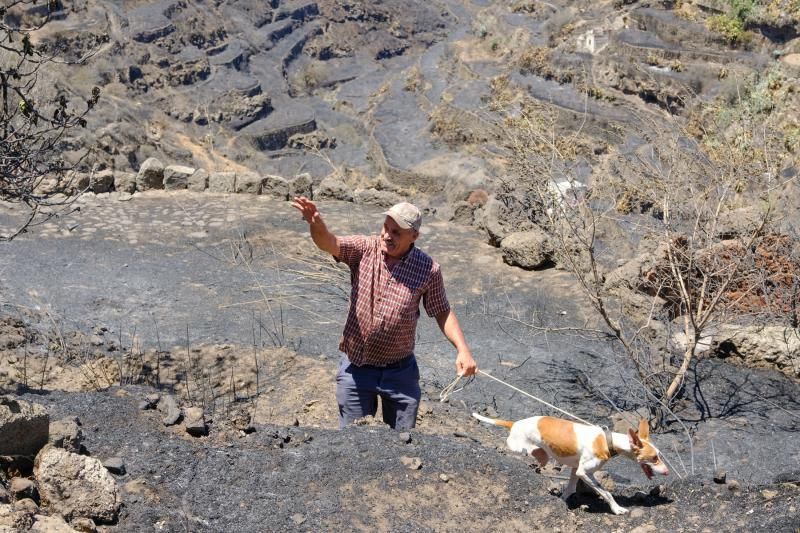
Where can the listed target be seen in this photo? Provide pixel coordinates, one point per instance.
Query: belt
(397, 364)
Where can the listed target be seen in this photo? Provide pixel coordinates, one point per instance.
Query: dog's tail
(504, 423)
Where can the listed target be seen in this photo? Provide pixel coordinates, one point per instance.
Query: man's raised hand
(307, 208)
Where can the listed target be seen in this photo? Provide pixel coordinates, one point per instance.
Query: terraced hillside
(407, 91)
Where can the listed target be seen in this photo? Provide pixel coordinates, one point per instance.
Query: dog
(582, 448)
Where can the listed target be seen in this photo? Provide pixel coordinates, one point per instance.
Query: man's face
(396, 241)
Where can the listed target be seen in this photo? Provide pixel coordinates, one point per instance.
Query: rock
(14, 519)
(606, 481)
(378, 197)
(762, 347)
(176, 177)
(248, 183)
(22, 487)
(125, 182)
(151, 175)
(198, 181)
(115, 465)
(194, 421)
(733, 485)
(720, 476)
(276, 187)
(86, 525)
(27, 505)
(621, 422)
(78, 181)
(75, 485)
(67, 434)
(768, 494)
(335, 189)
(298, 519)
(444, 478)
(405, 437)
(527, 249)
(494, 218)
(23, 427)
(5, 497)
(102, 181)
(301, 185)
(50, 524)
(463, 214)
(150, 402)
(168, 407)
(412, 463)
(477, 198)
(222, 182)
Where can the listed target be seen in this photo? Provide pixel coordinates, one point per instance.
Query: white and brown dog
(582, 448)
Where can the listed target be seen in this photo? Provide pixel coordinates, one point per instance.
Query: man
(389, 277)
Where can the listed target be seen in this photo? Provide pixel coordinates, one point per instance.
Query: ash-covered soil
(313, 479)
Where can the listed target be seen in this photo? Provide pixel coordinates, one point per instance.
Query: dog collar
(610, 441)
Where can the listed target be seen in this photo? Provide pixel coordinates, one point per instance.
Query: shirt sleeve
(352, 249)
(434, 298)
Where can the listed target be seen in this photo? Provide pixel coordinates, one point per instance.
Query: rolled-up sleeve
(434, 299)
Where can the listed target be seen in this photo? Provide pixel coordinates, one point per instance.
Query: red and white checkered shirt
(384, 305)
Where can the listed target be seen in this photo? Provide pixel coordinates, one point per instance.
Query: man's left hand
(465, 364)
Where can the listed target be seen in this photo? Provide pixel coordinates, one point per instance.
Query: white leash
(451, 388)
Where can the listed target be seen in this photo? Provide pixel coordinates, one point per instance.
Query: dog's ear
(644, 429)
(636, 443)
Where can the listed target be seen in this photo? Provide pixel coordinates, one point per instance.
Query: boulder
(195, 421)
(378, 197)
(528, 249)
(168, 407)
(102, 181)
(77, 181)
(125, 182)
(493, 219)
(275, 186)
(334, 188)
(176, 177)
(67, 434)
(75, 485)
(23, 427)
(776, 347)
(222, 182)
(151, 175)
(198, 181)
(248, 183)
(301, 185)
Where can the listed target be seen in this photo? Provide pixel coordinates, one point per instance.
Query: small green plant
(730, 28)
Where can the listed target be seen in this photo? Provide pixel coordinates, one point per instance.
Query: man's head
(400, 229)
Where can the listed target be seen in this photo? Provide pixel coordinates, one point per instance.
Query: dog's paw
(619, 510)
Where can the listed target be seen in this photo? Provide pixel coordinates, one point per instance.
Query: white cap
(406, 215)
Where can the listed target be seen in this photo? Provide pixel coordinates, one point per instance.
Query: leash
(451, 388)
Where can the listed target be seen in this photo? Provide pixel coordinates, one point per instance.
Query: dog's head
(647, 455)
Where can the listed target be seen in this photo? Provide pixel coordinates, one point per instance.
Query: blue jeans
(358, 389)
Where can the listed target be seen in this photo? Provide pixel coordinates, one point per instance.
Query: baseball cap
(406, 215)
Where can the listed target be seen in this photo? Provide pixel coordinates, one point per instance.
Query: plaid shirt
(384, 305)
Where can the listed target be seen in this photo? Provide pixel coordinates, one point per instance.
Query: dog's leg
(571, 486)
(541, 456)
(590, 481)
